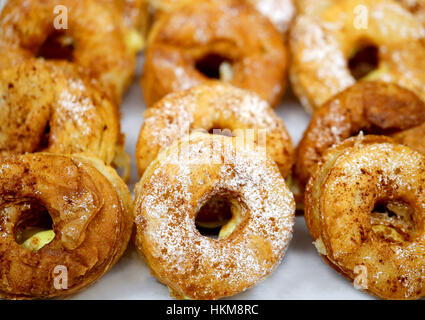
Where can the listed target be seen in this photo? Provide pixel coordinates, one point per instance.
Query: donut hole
(34, 228)
(57, 46)
(218, 217)
(364, 60)
(221, 131)
(393, 221)
(215, 66)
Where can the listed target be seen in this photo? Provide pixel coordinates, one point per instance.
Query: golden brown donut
(218, 106)
(48, 107)
(370, 107)
(86, 204)
(175, 187)
(279, 12)
(365, 211)
(355, 40)
(96, 39)
(202, 40)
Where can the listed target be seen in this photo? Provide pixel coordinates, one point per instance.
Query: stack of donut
(213, 157)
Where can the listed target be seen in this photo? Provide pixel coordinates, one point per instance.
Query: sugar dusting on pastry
(166, 211)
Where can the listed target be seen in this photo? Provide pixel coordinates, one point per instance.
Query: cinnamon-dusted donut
(371, 107)
(203, 40)
(48, 107)
(82, 202)
(353, 40)
(96, 39)
(175, 187)
(365, 211)
(218, 106)
(279, 12)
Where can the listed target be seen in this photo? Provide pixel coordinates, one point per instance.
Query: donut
(215, 107)
(365, 212)
(96, 39)
(48, 107)
(173, 189)
(203, 40)
(349, 41)
(377, 108)
(279, 12)
(85, 211)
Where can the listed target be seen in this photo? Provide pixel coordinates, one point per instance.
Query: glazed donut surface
(90, 208)
(371, 107)
(96, 39)
(202, 40)
(49, 107)
(174, 188)
(323, 45)
(365, 208)
(214, 106)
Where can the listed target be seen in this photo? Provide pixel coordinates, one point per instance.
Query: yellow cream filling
(36, 238)
(134, 41)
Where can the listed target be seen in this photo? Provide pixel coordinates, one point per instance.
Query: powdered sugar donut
(212, 106)
(370, 107)
(352, 40)
(175, 187)
(365, 211)
(226, 40)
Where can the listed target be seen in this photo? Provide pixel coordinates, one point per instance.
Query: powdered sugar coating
(173, 190)
(213, 106)
(322, 44)
(280, 12)
(353, 177)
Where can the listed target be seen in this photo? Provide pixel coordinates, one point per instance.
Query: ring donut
(48, 107)
(365, 211)
(89, 208)
(370, 107)
(174, 188)
(202, 40)
(95, 39)
(279, 12)
(213, 107)
(355, 40)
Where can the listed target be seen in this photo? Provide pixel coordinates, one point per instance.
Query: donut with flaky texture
(203, 40)
(323, 44)
(95, 38)
(364, 207)
(174, 188)
(370, 107)
(48, 107)
(208, 107)
(91, 210)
